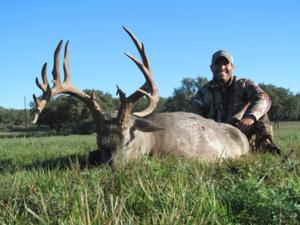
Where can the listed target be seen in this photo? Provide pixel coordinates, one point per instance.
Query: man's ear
(146, 125)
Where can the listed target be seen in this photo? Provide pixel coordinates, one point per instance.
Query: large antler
(59, 87)
(149, 88)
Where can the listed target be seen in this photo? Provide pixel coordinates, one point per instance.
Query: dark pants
(261, 133)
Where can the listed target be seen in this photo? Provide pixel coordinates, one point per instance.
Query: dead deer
(134, 134)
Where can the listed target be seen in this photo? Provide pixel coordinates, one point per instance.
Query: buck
(134, 134)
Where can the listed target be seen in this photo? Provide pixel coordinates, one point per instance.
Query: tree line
(66, 112)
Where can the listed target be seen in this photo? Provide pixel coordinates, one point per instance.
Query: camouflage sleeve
(259, 100)
(200, 102)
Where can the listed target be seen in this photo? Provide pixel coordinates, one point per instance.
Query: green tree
(182, 96)
(12, 117)
(143, 103)
(285, 105)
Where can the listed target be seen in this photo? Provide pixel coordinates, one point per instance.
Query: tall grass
(48, 181)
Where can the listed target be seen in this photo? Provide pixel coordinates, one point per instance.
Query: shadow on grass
(60, 163)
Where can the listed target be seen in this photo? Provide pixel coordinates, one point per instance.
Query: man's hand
(245, 125)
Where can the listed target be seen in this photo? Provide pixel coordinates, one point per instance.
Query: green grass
(28, 131)
(47, 181)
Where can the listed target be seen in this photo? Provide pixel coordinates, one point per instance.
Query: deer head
(115, 131)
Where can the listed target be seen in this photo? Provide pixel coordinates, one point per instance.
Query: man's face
(222, 70)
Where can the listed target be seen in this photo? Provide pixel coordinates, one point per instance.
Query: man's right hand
(245, 125)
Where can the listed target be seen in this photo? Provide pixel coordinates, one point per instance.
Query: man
(236, 101)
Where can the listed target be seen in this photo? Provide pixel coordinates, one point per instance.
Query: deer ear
(146, 125)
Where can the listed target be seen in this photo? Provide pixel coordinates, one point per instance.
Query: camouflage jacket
(242, 98)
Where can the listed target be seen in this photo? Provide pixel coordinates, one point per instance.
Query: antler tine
(44, 74)
(37, 111)
(43, 86)
(145, 70)
(67, 78)
(140, 46)
(36, 116)
(55, 71)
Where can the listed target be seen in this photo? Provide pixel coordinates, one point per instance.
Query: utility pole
(25, 116)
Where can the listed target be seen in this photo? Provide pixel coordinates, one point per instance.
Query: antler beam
(148, 89)
(59, 87)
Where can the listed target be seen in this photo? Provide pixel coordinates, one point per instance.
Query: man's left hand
(245, 125)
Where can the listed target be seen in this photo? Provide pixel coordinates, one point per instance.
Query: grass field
(47, 180)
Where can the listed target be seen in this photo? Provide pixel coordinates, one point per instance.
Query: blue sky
(179, 36)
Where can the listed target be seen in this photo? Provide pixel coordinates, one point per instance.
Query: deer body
(187, 135)
(131, 135)
(192, 135)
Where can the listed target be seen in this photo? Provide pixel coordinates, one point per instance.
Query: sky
(179, 36)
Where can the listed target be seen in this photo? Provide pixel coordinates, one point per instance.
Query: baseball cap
(221, 53)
